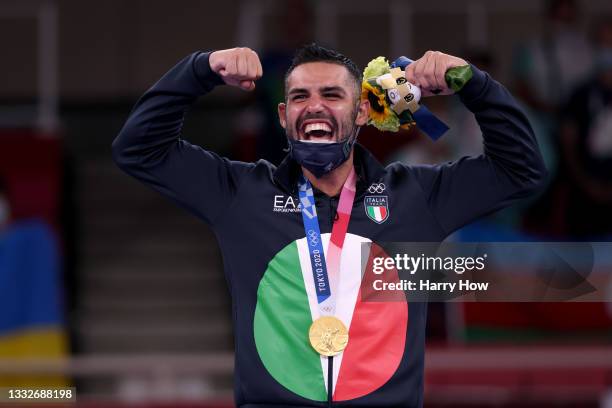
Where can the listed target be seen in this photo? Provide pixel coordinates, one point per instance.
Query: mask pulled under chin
(320, 158)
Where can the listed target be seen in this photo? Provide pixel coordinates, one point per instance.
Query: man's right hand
(237, 67)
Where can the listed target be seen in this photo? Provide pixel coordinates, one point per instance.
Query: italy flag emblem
(377, 208)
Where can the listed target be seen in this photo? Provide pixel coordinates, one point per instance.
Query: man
(267, 226)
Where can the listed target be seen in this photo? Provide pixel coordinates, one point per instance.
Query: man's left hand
(429, 70)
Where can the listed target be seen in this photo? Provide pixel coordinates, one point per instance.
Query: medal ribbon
(326, 270)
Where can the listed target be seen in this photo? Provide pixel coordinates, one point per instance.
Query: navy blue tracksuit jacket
(253, 210)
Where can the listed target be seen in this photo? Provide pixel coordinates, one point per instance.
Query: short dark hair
(315, 53)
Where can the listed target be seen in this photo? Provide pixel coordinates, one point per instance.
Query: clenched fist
(429, 70)
(237, 67)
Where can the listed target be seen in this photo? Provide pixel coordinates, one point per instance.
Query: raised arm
(150, 148)
(511, 167)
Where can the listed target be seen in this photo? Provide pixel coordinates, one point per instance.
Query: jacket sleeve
(150, 148)
(510, 168)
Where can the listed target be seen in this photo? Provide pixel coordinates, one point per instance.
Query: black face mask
(320, 158)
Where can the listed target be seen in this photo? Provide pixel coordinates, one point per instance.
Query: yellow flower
(380, 115)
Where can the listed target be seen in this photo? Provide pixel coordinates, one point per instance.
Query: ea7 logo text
(286, 204)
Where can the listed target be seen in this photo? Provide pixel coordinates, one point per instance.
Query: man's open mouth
(317, 131)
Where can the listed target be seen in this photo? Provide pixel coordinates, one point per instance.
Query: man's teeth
(311, 127)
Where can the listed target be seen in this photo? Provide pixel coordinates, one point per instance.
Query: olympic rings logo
(376, 188)
(313, 238)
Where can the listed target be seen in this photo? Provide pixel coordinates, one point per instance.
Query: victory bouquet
(395, 102)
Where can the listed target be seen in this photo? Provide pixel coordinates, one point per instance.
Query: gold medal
(328, 336)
